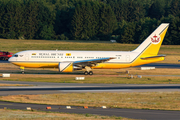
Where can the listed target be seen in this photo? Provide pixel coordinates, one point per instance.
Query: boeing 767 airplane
(68, 61)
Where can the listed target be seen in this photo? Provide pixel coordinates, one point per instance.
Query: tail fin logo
(155, 39)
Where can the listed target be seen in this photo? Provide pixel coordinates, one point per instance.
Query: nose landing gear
(22, 70)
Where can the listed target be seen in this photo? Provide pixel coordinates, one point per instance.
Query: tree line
(127, 21)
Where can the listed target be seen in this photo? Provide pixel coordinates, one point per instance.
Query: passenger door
(127, 58)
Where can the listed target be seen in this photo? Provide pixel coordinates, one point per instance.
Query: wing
(91, 62)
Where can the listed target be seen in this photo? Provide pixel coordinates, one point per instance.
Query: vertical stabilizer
(153, 43)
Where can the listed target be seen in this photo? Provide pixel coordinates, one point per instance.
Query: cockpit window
(15, 55)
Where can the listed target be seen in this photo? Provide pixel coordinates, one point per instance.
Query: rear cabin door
(127, 58)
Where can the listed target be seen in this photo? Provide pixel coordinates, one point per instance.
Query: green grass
(14, 46)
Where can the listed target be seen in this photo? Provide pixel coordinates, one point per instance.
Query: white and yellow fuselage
(51, 59)
(144, 54)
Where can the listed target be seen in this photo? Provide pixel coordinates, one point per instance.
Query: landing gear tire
(22, 72)
(90, 73)
(86, 73)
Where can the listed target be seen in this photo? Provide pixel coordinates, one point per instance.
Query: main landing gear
(88, 71)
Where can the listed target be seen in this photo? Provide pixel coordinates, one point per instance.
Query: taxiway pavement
(49, 88)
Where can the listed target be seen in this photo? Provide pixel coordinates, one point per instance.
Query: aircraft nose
(10, 59)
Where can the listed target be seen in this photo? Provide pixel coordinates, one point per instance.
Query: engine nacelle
(68, 67)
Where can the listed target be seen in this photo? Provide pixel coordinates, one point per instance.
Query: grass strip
(105, 79)
(9, 114)
(6, 85)
(145, 100)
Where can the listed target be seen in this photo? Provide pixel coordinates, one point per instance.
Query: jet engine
(68, 67)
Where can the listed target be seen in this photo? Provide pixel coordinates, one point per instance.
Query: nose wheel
(88, 73)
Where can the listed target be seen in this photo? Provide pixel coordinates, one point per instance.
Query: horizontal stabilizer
(146, 58)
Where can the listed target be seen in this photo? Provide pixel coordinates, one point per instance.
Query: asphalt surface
(43, 87)
(4, 61)
(89, 88)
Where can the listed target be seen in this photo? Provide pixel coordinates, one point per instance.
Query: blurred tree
(157, 9)
(175, 8)
(77, 23)
(47, 32)
(31, 22)
(107, 22)
(128, 33)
